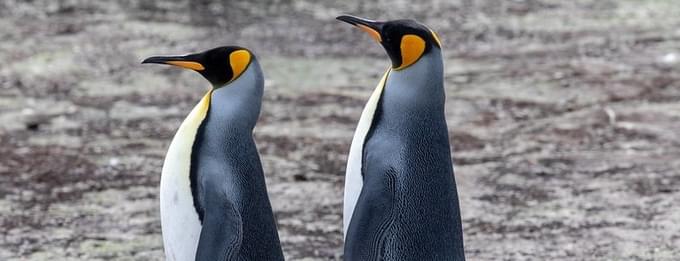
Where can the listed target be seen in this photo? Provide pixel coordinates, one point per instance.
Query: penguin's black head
(404, 40)
(220, 66)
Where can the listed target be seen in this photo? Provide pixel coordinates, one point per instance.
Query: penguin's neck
(234, 110)
(235, 107)
(416, 91)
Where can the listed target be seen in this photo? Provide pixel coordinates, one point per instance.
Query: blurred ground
(564, 119)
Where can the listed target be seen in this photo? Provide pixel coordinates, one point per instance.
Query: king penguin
(214, 203)
(400, 198)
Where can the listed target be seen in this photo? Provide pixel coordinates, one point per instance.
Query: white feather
(179, 221)
(353, 177)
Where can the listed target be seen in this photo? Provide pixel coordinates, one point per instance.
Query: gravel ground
(564, 119)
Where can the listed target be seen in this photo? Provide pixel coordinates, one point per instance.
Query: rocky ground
(564, 119)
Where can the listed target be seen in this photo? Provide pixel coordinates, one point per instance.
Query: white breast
(353, 178)
(179, 221)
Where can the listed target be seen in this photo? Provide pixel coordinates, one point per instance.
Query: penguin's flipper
(373, 217)
(221, 233)
(353, 177)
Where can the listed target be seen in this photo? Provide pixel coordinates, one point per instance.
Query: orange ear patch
(412, 48)
(239, 61)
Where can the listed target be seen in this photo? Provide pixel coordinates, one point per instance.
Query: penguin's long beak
(373, 28)
(186, 61)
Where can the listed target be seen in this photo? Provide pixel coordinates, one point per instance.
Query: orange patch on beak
(372, 32)
(189, 65)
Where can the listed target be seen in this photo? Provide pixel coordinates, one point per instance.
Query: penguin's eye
(239, 61)
(412, 48)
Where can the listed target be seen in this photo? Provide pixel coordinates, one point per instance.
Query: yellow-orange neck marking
(436, 38)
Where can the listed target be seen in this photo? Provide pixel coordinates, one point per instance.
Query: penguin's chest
(180, 223)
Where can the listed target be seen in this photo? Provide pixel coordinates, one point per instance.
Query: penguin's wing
(221, 233)
(353, 176)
